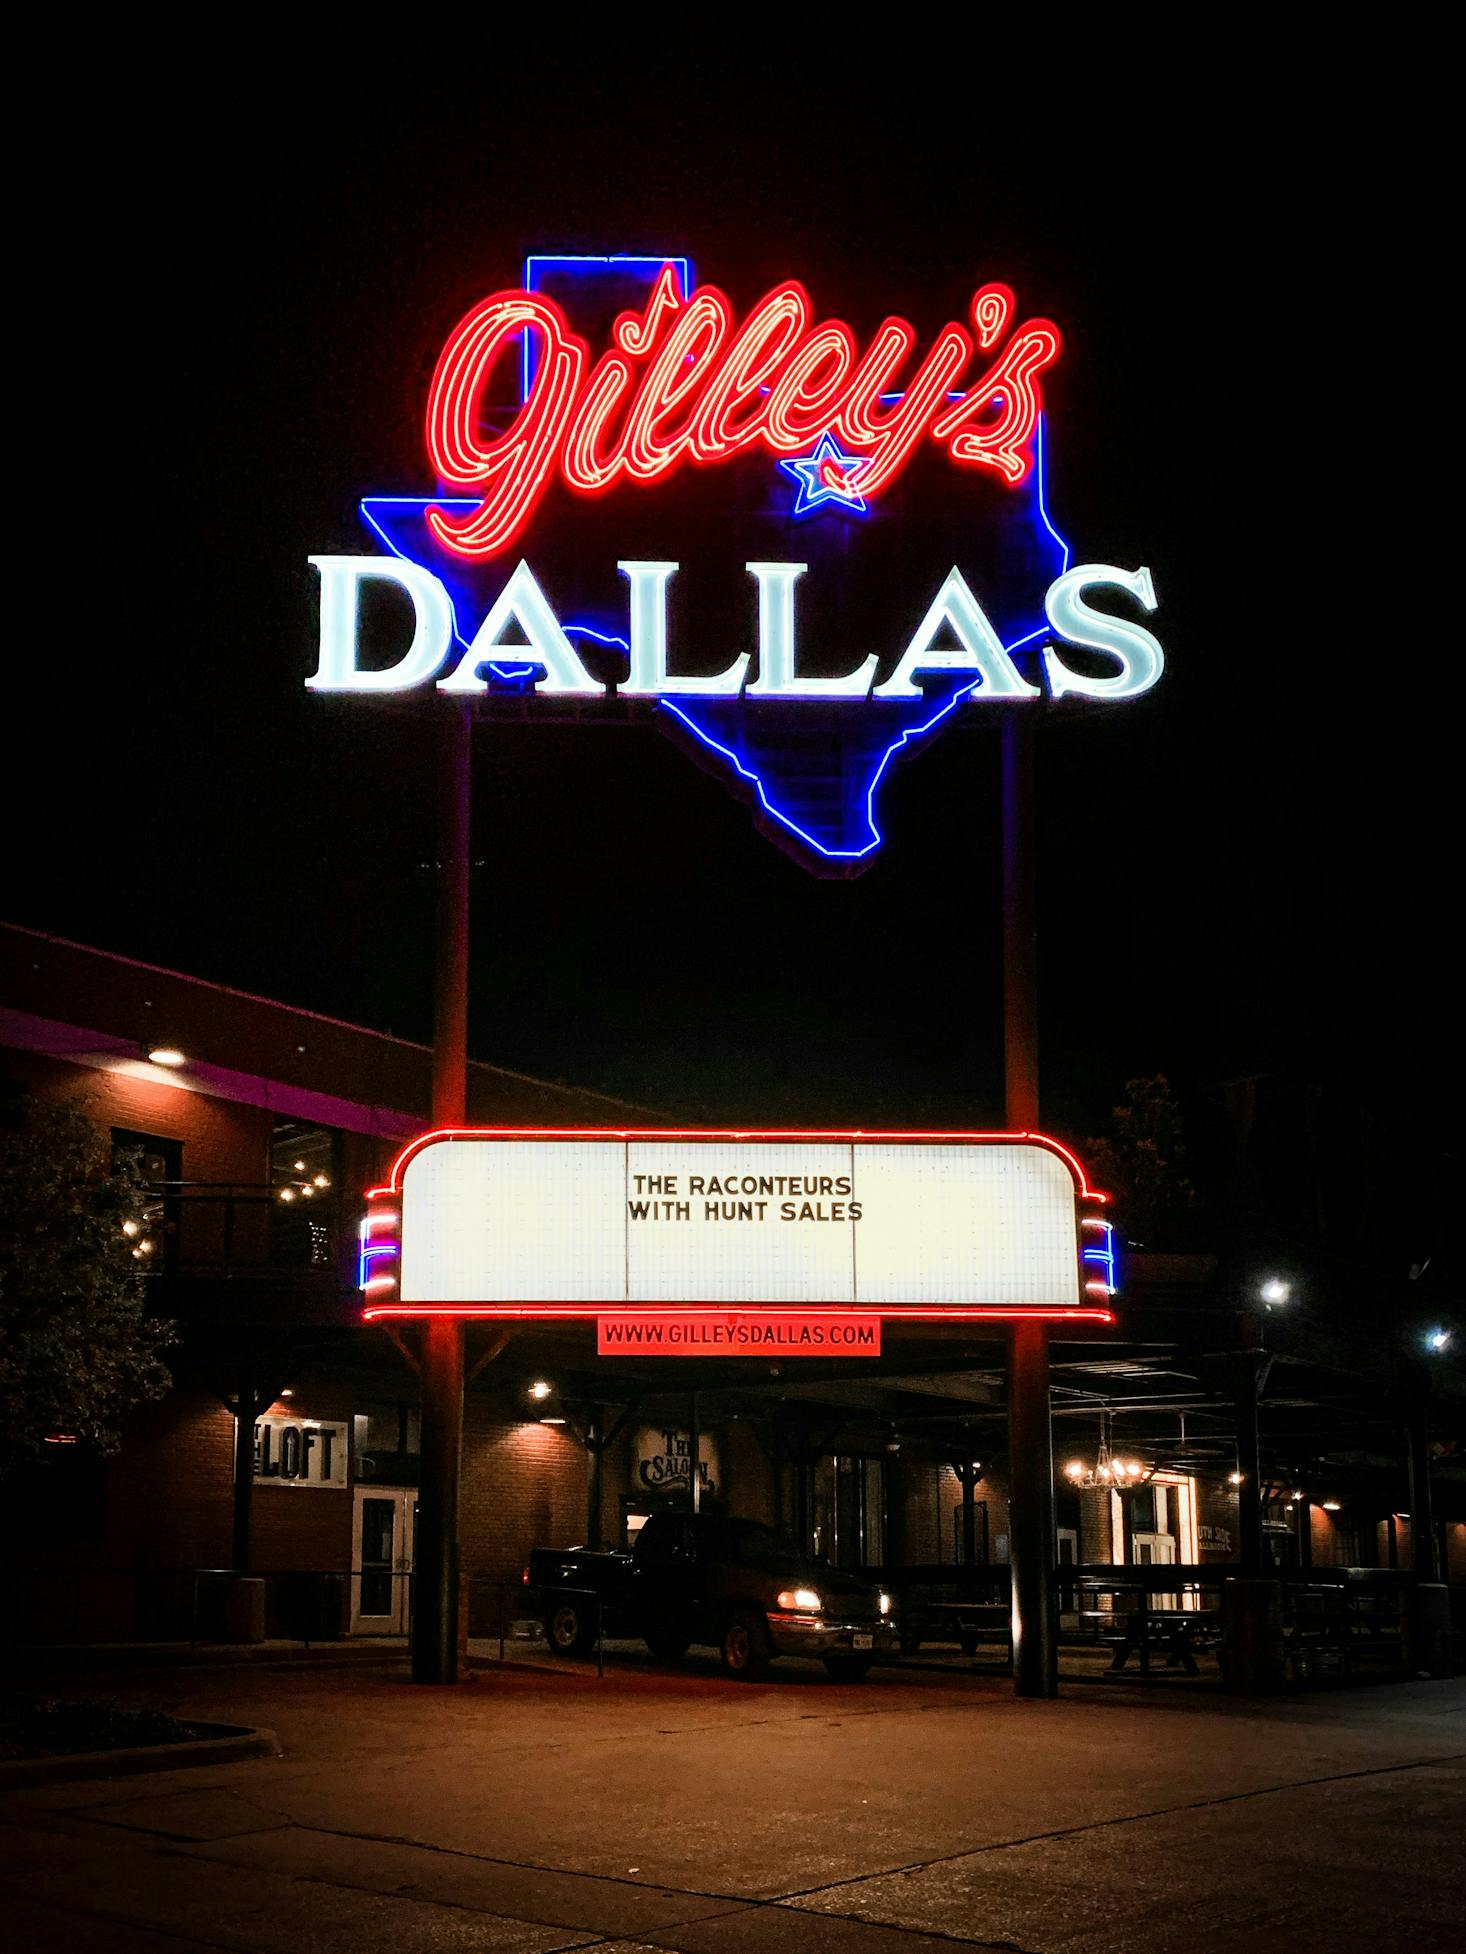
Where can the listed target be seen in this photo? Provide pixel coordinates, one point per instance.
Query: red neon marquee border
(627, 1134)
(588, 1312)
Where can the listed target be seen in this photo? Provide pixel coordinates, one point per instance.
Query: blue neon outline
(911, 733)
(422, 503)
(665, 702)
(684, 266)
(810, 498)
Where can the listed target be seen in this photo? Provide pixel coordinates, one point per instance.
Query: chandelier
(1107, 1470)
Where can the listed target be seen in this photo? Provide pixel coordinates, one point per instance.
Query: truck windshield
(750, 1543)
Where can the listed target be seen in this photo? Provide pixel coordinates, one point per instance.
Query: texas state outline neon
(668, 704)
(894, 749)
(577, 256)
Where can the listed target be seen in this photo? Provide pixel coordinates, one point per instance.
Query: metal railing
(239, 1228)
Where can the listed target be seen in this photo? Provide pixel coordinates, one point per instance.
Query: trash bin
(231, 1608)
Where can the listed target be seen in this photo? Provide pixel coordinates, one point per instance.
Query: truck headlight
(804, 1599)
(884, 1602)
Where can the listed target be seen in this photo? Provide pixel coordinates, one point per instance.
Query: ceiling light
(165, 1055)
(540, 1389)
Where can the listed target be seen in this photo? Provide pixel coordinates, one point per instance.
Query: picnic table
(1144, 1631)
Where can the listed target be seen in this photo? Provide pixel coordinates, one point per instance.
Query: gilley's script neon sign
(685, 382)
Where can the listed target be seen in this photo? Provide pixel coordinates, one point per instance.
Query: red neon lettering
(511, 469)
(684, 381)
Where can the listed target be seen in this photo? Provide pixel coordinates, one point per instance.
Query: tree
(1143, 1164)
(78, 1348)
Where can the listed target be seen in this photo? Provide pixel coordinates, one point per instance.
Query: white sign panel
(862, 1224)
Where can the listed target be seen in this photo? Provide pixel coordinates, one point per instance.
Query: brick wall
(524, 1486)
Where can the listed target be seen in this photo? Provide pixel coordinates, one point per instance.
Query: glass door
(381, 1560)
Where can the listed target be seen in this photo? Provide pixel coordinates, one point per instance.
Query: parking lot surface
(666, 1808)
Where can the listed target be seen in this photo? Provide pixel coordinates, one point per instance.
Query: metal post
(594, 1446)
(694, 1485)
(1252, 1369)
(1424, 1541)
(244, 1475)
(435, 1600)
(1031, 1528)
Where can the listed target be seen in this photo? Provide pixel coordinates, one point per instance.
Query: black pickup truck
(732, 1585)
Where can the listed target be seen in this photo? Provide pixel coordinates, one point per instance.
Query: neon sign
(728, 1229)
(684, 381)
(954, 610)
(745, 529)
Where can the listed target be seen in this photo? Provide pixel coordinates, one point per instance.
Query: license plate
(862, 1641)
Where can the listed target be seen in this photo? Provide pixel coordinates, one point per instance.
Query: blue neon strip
(1104, 1259)
(371, 1252)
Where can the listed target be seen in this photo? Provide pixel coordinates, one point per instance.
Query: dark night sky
(256, 287)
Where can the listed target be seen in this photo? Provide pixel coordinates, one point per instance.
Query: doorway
(382, 1534)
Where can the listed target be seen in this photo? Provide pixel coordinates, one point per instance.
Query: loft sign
(800, 550)
(299, 1452)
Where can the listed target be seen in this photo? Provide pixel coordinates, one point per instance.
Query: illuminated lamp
(1437, 1340)
(1275, 1292)
(1330, 1506)
(166, 1055)
(1235, 1478)
(540, 1389)
(552, 1421)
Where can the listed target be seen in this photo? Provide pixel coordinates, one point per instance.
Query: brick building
(257, 1144)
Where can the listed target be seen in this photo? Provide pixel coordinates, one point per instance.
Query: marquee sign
(708, 1243)
(801, 550)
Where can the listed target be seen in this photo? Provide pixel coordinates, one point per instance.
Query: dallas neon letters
(684, 381)
(954, 612)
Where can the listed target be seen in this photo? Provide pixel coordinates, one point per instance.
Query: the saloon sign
(802, 549)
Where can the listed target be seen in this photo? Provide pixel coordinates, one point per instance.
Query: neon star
(824, 477)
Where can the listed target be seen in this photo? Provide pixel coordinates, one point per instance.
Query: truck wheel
(847, 1668)
(570, 1629)
(744, 1652)
(669, 1644)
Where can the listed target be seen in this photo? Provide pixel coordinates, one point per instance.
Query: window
(303, 1200)
(153, 1230)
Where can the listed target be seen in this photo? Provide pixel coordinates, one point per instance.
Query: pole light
(1275, 1292)
(1438, 1341)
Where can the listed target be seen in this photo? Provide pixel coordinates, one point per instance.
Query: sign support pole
(435, 1602)
(1032, 1538)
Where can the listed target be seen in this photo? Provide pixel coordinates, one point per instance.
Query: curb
(226, 1743)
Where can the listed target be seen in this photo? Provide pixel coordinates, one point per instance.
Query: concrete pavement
(665, 1808)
